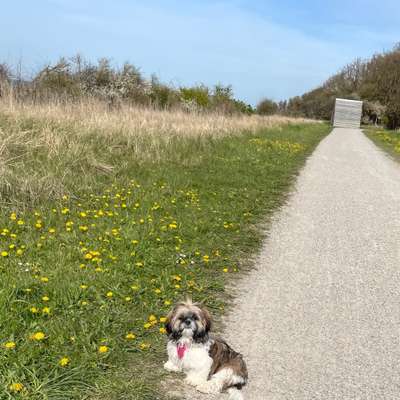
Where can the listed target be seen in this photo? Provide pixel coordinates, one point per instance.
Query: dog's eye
(195, 317)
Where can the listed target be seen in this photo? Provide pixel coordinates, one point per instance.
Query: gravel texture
(319, 316)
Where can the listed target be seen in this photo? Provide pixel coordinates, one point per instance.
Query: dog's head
(189, 320)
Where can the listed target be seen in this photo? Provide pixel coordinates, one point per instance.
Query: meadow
(387, 140)
(108, 217)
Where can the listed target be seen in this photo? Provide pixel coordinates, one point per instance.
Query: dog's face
(189, 320)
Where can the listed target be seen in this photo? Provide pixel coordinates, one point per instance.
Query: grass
(107, 232)
(387, 140)
(43, 148)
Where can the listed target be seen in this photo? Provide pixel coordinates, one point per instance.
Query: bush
(267, 107)
(72, 79)
(199, 95)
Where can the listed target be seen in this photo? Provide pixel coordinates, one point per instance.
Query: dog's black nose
(188, 322)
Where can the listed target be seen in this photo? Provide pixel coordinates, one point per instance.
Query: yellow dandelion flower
(34, 310)
(157, 291)
(109, 294)
(20, 252)
(10, 345)
(127, 298)
(4, 253)
(139, 264)
(134, 241)
(130, 336)
(163, 319)
(83, 287)
(88, 256)
(162, 330)
(167, 302)
(225, 270)
(44, 279)
(38, 336)
(134, 287)
(20, 222)
(147, 325)
(152, 318)
(103, 349)
(52, 230)
(82, 214)
(16, 387)
(46, 310)
(144, 346)
(45, 298)
(13, 216)
(65, 211)
(63, 362)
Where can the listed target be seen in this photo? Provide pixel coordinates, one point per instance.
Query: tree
(267, 107)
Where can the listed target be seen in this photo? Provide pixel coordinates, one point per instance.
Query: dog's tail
(235, 393)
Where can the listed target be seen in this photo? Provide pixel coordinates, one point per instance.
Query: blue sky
(274, 49)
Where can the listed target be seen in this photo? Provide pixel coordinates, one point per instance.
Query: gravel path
(319, 317)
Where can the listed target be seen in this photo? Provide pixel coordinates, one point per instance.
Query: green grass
(387, 140)
(111, 256)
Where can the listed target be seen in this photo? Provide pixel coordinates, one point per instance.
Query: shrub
(267, 107)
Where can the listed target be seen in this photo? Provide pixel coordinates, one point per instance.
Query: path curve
(319, 316)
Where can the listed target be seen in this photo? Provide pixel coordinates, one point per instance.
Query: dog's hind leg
(224, 378)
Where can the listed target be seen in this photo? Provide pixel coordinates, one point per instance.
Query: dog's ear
(206, 319)
(168, 322)
(167, 325)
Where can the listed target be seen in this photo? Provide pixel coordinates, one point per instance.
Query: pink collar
(181, 349)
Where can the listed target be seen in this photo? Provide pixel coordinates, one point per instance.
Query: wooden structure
(347, 113)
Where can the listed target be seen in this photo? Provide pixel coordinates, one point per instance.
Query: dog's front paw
(193, 380)
(169, 366)
(208, 387)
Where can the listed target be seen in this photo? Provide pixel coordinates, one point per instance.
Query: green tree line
(71, 79)
(376, 81)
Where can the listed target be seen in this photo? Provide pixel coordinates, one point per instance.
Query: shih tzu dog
(209, 363)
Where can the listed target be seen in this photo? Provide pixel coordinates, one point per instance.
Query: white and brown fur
(209, 363)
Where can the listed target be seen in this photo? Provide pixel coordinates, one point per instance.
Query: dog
(210, 364)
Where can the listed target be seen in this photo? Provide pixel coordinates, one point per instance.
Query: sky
(274, 49)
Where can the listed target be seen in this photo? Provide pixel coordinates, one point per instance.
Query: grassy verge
(387, 140)
(87, 277)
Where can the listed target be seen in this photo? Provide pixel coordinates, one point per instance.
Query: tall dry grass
(53, 148)
(128, 120)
